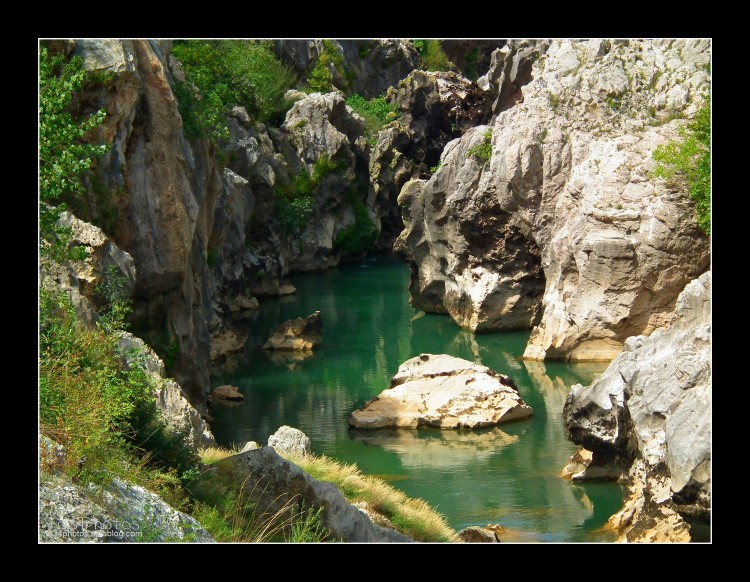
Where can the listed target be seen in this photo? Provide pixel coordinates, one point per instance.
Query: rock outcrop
(302, 333)
(290, 440)
(274, 482)
(122, 512)
(653, 407)
(442, 391)
(175, 409)
(549, 217)
(475, 534)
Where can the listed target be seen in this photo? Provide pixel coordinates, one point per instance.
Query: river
(506, 475)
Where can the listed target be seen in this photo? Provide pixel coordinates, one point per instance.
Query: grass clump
(433, 55)
(412, 517)
(686, 161)
(224, 73)
(482, 151)
(376, 112)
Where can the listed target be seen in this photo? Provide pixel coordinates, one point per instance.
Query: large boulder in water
(442, 391)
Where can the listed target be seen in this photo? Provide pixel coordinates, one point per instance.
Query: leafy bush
(687, 161)
(376, 112)
(320, 79)
(360, 236)
(472, 62)
(482, 151)
(64, 154)
(225, 73)
(434, 58)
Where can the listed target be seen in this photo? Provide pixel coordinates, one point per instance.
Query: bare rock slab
(227, 393)
(297, 334)
(442, 391)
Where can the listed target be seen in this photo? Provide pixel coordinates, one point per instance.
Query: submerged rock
(653, 407)
(297, 334)
(442, 391)
(291, 440)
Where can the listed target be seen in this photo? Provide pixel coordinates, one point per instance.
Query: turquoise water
(506, 475)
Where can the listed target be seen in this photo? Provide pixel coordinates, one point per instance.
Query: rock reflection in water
(437, 449)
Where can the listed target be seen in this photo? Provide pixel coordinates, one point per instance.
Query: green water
(506, 475)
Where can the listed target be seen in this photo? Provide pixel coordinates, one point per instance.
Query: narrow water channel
(506, 475)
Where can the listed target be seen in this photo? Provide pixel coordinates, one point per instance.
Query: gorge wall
(549, 217)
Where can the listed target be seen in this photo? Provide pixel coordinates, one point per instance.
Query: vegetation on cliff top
(687, 162)
(376, 112)
(226, 73)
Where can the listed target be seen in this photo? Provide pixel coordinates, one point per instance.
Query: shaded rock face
(653, 405)
(442, 391)
(290, 440)
(175, 409)
(162, 191)
(275, 481)
(436, 108)
(568, 188)
(472, 56)
(122, 513)
(297, 334)
(369, 66)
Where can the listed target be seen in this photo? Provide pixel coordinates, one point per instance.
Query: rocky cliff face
(652, 407)
(549, 216)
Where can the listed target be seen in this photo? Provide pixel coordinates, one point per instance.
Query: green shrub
(64, 154)
(482, 151)
(376, 112)
(308, 528)
(472, 61)
(434, 58)
(320, 79)
(360, 236)
(225, 73)
(687, 162)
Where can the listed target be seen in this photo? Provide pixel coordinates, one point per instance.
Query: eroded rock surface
(653, 406)
(303, 333)
(442, 391)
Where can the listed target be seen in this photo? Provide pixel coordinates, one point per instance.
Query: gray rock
(653, 405)
(297, 334)
(249, 446)
(123, 512)
(289, 439)
(442, 391)
(562, 228)
(475, 534)
(175, 409)
(274, 481)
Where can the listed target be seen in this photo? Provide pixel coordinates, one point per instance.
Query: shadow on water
(507, 475)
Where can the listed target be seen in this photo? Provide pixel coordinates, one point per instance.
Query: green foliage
(482, 151)
(295, 201)
(376, 112)
(114, 293)
(472, 61)
(420, 45)
(101, 411)
(434, 58)
(687, 162)
(360, 236)
(225, 73)
(64, 154)
(613, 103)
(320, 79)
(436, 167)
(308, 528)
(212, 257)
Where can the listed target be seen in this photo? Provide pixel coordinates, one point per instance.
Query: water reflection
(437, 449)
(507, 475)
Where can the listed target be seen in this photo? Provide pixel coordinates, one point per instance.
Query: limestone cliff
(652, 409)
(549, 217)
